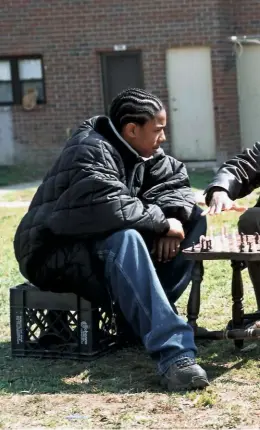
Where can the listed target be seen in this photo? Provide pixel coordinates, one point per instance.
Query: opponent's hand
(176, 229)
(221, 202)
(166, 248)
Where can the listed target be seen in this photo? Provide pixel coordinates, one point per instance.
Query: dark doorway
(120, 70)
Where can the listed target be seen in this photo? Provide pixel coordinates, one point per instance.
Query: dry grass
(18, 195)
(121, 390)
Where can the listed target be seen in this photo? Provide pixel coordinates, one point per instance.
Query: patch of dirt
(143, 410)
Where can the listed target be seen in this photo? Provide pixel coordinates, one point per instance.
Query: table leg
(193, 307)
(237, 298)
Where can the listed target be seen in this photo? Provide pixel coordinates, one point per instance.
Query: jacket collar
(118, 135)
(104, 126)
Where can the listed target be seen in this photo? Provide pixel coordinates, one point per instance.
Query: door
(189, 80)
(120, 70)
(248, 78)
(6, 136)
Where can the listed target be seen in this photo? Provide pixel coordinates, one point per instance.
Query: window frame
(16, 81)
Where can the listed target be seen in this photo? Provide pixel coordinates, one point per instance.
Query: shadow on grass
(221, 357)
(125, 371)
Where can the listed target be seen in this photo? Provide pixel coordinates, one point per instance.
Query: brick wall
(247, 17)
(70, 34)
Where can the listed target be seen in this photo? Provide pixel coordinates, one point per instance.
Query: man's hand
(176, 229)
(166, 248)
(221, 202)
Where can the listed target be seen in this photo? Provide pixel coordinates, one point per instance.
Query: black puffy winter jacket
(97, 186)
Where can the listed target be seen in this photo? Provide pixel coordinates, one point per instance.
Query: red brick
(71, 33)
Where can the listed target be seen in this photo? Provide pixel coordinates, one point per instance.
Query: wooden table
(224, 248)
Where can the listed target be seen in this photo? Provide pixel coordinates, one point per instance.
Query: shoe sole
(197, 383)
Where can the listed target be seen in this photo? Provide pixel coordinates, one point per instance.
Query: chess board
(229, 246)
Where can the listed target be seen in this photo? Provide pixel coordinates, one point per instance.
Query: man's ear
(129, 130)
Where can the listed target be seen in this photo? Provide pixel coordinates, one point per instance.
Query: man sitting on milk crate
(115, 206)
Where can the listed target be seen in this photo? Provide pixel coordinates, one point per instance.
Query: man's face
(147, 138)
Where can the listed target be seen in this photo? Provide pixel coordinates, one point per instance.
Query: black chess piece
(250, 249)
(256, 238)
(242, 237)
(193, 247)
(203, 248)
(208, 246)
(242, 247)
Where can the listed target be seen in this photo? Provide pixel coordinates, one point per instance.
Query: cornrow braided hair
(134, 105)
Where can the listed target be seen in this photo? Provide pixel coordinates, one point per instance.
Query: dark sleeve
(239, 176)
(167, 185)
(97, 202)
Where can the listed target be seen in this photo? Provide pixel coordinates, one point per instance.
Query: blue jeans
(140, 289)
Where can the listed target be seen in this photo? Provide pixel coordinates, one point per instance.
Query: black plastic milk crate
(57, 325)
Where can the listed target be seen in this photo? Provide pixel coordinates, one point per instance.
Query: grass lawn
(199, 179)
(18, 195)
(10, 175)
(121, 390)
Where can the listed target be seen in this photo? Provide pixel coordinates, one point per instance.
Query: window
(17, 76)
(6, 92)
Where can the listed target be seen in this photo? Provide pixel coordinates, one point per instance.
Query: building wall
(246, 17)
(71, 34)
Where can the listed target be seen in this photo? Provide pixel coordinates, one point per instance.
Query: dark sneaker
(184, 375)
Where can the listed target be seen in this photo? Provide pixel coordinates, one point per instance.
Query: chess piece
(242, 247)
(250, 249)
(242, 237)
(234, 241)
(256, 238)
(193, 247)
(224, 231)
(218, 243)
(208, 245)
(204, 245)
